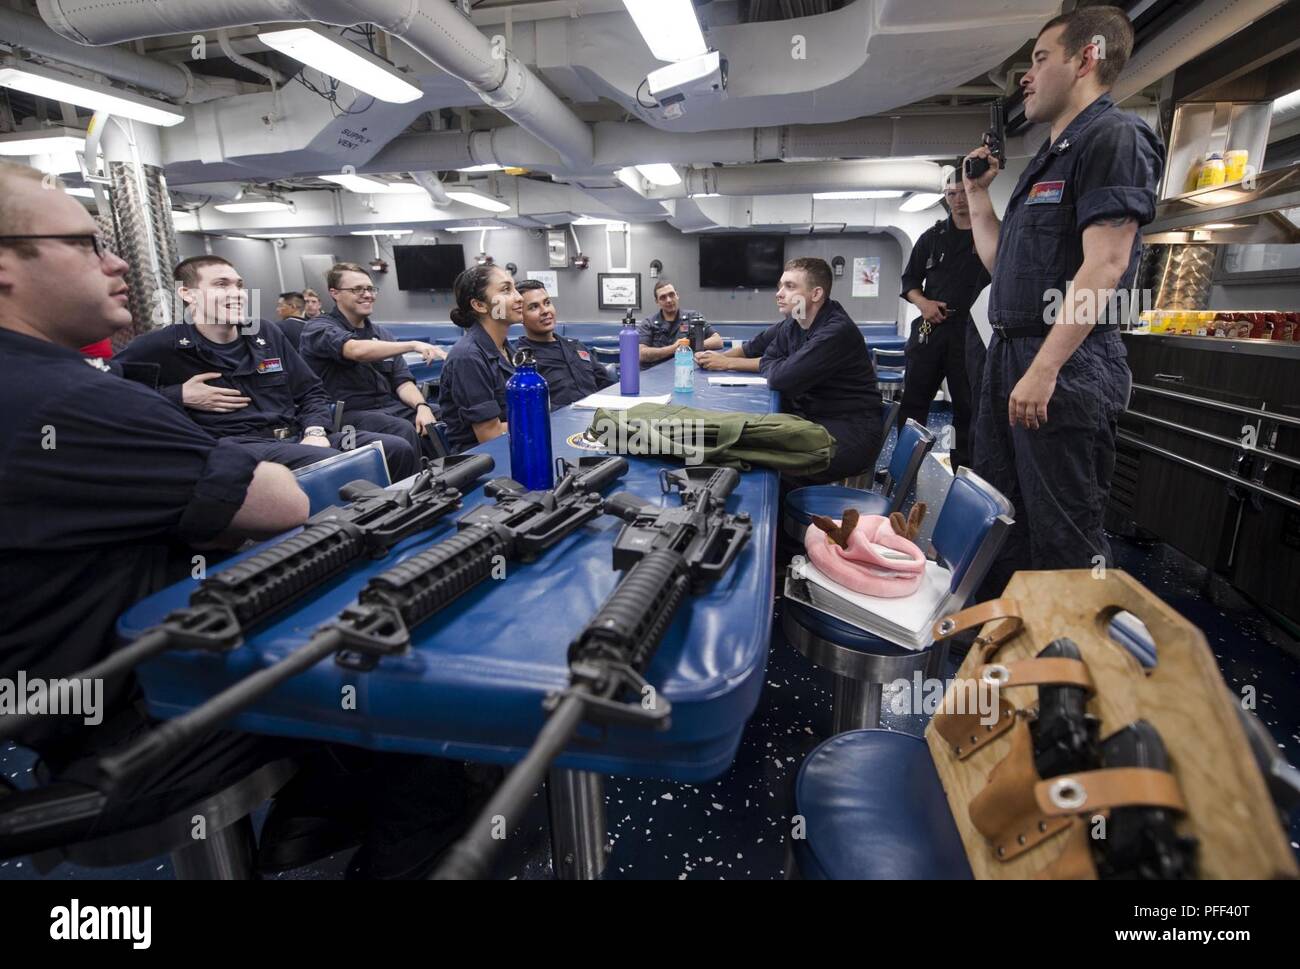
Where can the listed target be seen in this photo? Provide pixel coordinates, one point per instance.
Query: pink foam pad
(863, 567)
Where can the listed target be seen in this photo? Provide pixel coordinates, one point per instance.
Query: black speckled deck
(736, 827)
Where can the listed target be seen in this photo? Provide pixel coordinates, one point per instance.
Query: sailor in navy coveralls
(1056, 378)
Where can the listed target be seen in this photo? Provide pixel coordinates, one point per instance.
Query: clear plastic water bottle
(684, 368)
(528, 412)
(629, 358)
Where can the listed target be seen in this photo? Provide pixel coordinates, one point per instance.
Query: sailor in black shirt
(943, 278)
(818, 361)
(570, 369)
(291, 316)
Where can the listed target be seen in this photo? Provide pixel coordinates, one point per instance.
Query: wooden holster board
(1184, 697)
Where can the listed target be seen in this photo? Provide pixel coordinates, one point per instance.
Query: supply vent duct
(437, 30)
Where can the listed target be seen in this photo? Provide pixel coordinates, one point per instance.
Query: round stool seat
(830, 501)
(873, 808)
(846, 650)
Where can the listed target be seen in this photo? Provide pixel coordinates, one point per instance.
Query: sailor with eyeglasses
(360, 363)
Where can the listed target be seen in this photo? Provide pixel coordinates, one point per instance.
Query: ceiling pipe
(171, 80)
(619, 145)
(1200, 29)
(430, 183)
(802, 179)
(247, 63)
(437, 30)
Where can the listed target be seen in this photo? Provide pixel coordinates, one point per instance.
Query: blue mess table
(472, 685)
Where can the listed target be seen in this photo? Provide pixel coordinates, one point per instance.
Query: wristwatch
(424, 404)
(314, 432)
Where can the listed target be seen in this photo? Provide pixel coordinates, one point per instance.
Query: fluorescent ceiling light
(857, 196)
(705, 195)
(343, 60)
(921, 201)
(403, 188)
(253, 205)
(481, 168)
(472, 228)
(279, 235)
(1223, 225)
(475, 198)
(632, 179)
(358, 183)
(660, 174)
(51, 141)
(670, 28)
(58, 163)
(382, 232)
(591, 220)
(184, 220)
(57, 86)
(80, 193)
(364, 185)
(1287, 101)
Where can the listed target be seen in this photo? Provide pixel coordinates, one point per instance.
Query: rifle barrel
(170, 736)
(472, 856)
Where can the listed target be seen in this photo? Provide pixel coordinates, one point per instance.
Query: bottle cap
(524, 356)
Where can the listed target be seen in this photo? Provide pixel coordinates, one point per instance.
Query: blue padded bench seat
(321, 481)
(873, 808)
(831, 501)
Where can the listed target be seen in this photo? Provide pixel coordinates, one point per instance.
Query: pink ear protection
(876, 562)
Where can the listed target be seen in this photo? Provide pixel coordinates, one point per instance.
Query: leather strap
(966, 733)
(1075, 862)
(979, 615)
(1090, 792)
(1057, 671)
(1006, 811)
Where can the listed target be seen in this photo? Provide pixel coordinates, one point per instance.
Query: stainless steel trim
(1216, 439)
(1277, 496)
(1254, 412)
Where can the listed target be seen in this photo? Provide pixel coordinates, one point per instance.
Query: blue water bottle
(629, 358)
(528, 412)
(684, 369)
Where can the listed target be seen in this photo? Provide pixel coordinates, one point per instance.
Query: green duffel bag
(726, 439)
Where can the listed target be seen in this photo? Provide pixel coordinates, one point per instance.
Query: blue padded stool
(970, 531)
(322, 480)
(890, 370)
(914, 443)
(873, 808)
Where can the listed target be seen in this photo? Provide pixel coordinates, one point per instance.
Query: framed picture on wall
(619, 291)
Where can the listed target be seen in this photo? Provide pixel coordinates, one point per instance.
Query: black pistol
(994, 141)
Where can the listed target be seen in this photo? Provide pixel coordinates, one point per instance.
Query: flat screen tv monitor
(741, 261)
(428, 267)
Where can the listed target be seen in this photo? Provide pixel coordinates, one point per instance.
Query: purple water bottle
(629, 358)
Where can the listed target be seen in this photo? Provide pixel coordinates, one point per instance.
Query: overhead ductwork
(619, 145)
(437, 30)
(172, 80)
(868, 57)
(806, 178)
(437, 193)
(1203, 27)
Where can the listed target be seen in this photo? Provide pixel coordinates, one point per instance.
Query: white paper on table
(618, 402)
(738, 381)
(905, 620)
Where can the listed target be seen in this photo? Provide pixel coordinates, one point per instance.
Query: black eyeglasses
(92, 240)
(360, 290)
